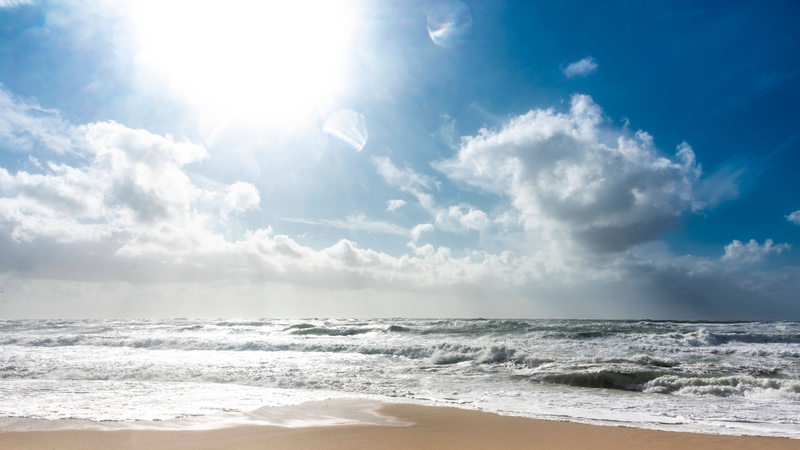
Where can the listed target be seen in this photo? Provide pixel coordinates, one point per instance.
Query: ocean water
(729, 378)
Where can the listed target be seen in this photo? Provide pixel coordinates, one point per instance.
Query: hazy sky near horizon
(621, 159)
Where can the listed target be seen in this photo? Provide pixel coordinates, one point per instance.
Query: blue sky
(416, 158)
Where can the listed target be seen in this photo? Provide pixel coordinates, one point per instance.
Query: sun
(271, 62)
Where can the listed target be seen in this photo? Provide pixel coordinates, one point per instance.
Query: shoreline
(404, 426)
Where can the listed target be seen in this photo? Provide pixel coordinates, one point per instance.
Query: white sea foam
(719, 377)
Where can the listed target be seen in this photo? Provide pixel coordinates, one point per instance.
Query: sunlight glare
(269, 62)
(349, 127)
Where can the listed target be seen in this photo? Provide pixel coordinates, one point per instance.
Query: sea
(738, 378)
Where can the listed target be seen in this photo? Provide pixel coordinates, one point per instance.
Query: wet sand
(423, 428)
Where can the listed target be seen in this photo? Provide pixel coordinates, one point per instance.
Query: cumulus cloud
(752, 251)
(125, 184)
(794, 217)
(128, 179)
(580, 68)
(455, 218)
(461, 217)
(574, 180)
(143, 171)
(240, 197)
(126, 208)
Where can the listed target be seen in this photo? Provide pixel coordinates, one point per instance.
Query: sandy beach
(425, 428)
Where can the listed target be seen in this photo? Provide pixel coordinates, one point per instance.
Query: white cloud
(143, 171)
(394, 204)
(26, 126)
(720, 186)
(261, 255)
(126, 209)
(172, 245)
(581, 67)
(575, 181)
(356, 222)
(455, 218)
(447, 131)
(240, 197)
(125, 184)
(418, 229)
(360, 222)
(752, 251)
(461, 217)
(45, 204)
(405, 179)
(794, 217)
(130, 178)
(508, 219)
(129, 209)
(13, 3)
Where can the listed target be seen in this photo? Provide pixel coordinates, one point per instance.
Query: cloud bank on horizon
(422, 191)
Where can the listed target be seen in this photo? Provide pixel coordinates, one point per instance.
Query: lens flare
(349, 127)
(449, 23)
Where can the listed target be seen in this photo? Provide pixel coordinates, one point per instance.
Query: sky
(375, 158)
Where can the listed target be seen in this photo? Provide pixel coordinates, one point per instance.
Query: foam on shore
(426, 427)
(322, 413)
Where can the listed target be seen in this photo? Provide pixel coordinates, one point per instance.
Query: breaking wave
(743, 372)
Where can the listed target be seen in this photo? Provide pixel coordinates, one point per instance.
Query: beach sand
(426, 428)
